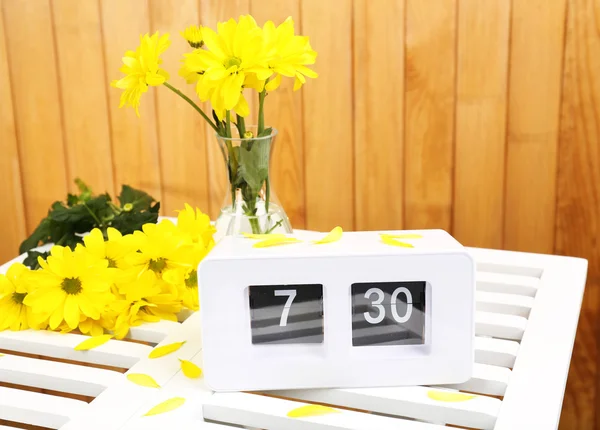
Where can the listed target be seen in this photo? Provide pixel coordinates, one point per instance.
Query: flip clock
(353, 313)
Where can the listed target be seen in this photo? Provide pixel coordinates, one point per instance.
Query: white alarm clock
(353, 313)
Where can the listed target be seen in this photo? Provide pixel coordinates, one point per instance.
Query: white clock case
(233, 363)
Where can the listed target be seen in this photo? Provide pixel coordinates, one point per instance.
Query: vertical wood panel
(181, 129)
(283, 110)
(328, 118)
(136, 159)
(483, 46)
(578, 199)
(535, 81)
(379, 113)
(211, 12)
(12, 215)
(83, 93)
(429, 119)
(36, 103)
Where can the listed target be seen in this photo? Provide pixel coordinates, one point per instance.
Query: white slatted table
(527, 312)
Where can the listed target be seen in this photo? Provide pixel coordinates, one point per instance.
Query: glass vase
(251, 205)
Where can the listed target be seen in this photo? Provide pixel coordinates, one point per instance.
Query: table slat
(411, 402)
(271, 414)
(38, 409)
(61, 345)
(56, 376)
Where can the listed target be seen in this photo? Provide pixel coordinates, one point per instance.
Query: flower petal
(166, 406)
(190, 370)
(394, 242)
(161, 351)
(333, 236)
(311, 411)
(402, 236)
(449, 396)
(276, 242)
(93, 342)
(143, 380)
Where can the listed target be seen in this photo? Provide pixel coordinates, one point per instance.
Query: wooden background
(481, 117)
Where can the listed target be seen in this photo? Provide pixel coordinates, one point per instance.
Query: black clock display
(285, 314)
(388, 313)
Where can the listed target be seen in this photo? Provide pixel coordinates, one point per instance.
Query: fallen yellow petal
(264, 236)
(394, 242)
(333, 236)
(449, 396)
(166, 406)
(311, 411)
(161, 351)
(190, 370)
(276, 242)
(143, 380)
(402, 236)
(93, 342)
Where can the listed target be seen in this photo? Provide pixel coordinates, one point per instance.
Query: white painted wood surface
(522, 354)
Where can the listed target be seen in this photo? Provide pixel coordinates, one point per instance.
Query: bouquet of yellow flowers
(239, 55)
(110, 285)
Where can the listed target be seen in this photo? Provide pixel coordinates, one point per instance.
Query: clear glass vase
(250, 205)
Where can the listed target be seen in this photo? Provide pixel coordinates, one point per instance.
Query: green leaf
(84, 190)
(32, 259)
(41, 233)
(254, 163)
(72, 199)
(139, 199)
(266, 132)
(128, 222)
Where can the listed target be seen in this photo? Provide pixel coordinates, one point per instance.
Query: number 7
(286, 309)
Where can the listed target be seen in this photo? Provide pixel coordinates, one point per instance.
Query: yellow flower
(144, 299)
(193, 35)
(14, 288)
(186, 282)
(142, 69)
(115, 250)
(235, 50)
(197, 226)
(71, 284)
(94, 327)
(189, 75)
(161, 247)
(288, 54)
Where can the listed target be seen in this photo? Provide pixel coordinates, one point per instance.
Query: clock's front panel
(336, 323)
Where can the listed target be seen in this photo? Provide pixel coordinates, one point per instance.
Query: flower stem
(277, 224)
(241, 126)
(255, 225)
(93, 215)
(267, 194)
(261, 112)
(228, 123)
(194, 105)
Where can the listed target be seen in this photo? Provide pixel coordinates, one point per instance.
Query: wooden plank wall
(477, 116)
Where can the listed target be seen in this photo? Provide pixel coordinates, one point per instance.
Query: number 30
(381, 310)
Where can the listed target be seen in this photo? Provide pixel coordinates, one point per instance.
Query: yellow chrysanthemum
(144, 299)
(142, 69)
(189, 75)
(161, 247)
(288, 54)
(186, 282)
(193, 35)
(115, 250)
(235, 50)
(71, 284)
(14, 288)
(197, 226)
